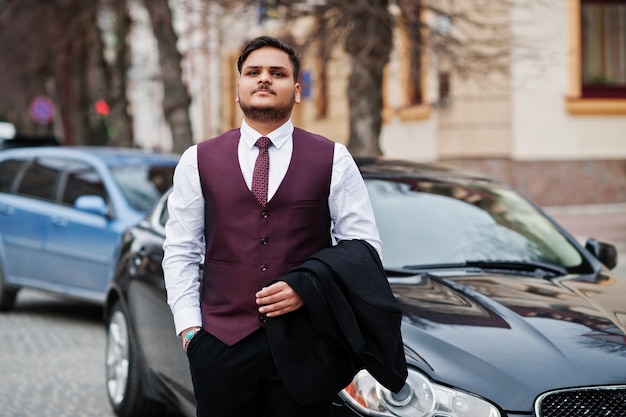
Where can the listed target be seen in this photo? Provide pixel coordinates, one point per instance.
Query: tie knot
(263, 142)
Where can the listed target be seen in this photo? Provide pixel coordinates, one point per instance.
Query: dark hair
(268, 41)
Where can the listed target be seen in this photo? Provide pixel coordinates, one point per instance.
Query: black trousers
(241, 380)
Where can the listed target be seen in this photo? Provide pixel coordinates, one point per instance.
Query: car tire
(123, 378)
(8, 293)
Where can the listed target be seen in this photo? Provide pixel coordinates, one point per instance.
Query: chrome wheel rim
(117, 358)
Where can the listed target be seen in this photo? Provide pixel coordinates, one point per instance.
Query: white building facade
(547, 125)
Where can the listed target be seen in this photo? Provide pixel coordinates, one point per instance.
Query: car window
(41, 179)
(424, 222)
(9, 170)
(82, 179)
(143, 185)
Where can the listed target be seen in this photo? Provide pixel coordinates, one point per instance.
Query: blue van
(63, 211)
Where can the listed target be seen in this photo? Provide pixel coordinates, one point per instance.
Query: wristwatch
(189, 335)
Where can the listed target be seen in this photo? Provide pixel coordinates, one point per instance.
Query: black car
(25, 141)
(505, 313)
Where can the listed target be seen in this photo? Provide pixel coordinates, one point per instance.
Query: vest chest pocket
(308, 216)
(305, 204)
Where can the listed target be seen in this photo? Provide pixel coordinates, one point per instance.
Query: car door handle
(59, 221)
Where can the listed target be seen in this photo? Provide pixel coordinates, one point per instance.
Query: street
(52, 359)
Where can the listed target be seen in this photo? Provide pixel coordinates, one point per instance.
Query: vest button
(264, 214)
(263, 268)
(263, 241)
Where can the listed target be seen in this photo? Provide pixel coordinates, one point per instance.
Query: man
(250, 239)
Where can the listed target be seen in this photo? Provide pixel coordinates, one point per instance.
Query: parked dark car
(63, 211)
(11, 138)
(26, 141)
(505, 313)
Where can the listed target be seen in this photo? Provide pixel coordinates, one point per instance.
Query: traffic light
(101, 107)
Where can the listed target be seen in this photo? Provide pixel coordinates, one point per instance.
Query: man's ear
(297, 94)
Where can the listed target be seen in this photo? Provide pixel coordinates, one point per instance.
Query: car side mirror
(604, 252)
(92, 204)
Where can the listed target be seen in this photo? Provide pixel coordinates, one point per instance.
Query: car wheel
(123, 379)
(7, 293)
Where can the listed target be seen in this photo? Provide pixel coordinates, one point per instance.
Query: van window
(9, 170)
(41, 179)
(82, 179)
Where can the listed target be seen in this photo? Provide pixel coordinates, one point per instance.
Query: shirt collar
(278, 136)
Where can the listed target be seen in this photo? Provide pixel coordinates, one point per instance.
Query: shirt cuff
(186, 318)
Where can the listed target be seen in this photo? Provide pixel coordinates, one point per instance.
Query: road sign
(42, 109)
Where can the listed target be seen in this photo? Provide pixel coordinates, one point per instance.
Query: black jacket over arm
(350, 321)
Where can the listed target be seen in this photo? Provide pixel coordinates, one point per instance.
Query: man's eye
(277, 74)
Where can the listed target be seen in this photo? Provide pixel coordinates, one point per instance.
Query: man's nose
(265, 77)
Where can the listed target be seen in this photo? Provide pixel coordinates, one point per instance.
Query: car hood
(510, 338)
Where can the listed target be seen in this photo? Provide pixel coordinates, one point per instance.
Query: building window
(408, 100)
(597, 57)
(443, 80)
(603, 48)
(411, 23)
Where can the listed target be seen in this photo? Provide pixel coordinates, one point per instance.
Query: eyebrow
(272, 68)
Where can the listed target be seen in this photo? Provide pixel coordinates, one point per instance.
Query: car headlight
(418, 398)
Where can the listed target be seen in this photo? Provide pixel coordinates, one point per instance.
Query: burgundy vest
(248, 245)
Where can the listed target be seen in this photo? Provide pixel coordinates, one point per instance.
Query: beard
(268, 114)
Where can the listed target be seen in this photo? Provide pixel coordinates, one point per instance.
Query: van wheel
(8, 293)
(123, 378)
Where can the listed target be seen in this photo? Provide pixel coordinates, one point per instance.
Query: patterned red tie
(261, 170)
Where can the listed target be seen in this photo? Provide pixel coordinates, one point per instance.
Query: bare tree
(468, 38)
(176, 99)
(366, 28)
(76, 69)
(465, 36)
(55, 49)
(25, 62)
(117, 23)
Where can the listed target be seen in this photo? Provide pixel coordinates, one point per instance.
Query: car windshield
(143, 185)
(432, 222)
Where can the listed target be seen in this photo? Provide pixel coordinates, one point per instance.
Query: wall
(515, 126)
(542, 127)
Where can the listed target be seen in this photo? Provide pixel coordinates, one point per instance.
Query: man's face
(266, 90)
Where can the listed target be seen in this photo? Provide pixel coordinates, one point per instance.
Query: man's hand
(277, 299)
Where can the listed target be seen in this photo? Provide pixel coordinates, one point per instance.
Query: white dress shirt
(349, 205)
